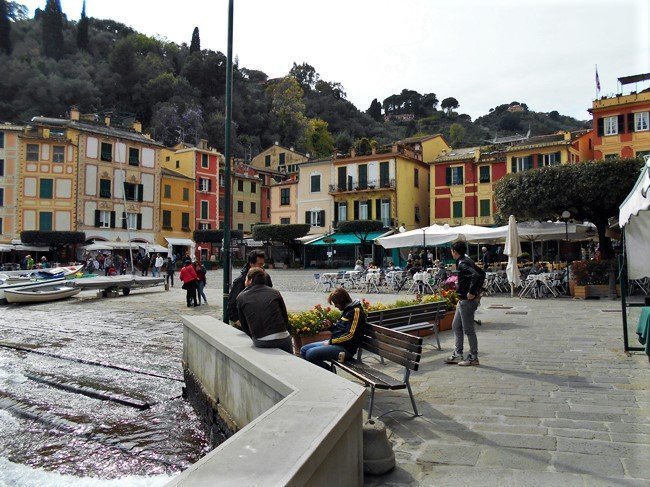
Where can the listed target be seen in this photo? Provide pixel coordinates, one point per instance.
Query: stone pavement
(555, 401)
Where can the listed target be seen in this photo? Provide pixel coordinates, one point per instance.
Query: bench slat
(411, 347)
(392, 334)
(371, 376)
(414, 327)
(399, 351)
(409, 364)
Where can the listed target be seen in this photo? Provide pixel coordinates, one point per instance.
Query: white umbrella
(512, 250)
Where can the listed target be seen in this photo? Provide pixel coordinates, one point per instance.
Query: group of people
(110, 264)
(28, 263)
(193, 277)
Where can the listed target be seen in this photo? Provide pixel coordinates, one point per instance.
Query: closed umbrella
(512, 250)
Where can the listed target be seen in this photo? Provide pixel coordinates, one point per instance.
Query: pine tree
(375, 110)
(5, 28)
(53, 29)
(195, 45)
(82, 29)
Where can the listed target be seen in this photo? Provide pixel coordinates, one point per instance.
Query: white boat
(104, 282)
(42, 294)
(12, 284)
(45, 273)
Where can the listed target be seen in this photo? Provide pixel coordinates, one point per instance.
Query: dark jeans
(170, 278)
(190, 293)
(281, 343)
(318, 352)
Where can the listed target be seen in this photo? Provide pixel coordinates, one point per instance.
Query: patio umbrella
(512, 250)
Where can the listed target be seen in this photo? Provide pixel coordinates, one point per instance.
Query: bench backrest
(398, 347)
(420, 313)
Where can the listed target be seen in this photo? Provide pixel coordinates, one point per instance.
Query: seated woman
(359, 266)
(346, 333)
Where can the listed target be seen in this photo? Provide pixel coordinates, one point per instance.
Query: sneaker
(469, 361)
(454, 359)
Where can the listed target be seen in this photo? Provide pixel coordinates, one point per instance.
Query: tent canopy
(634, 218)
(188, 242)
(346, 239)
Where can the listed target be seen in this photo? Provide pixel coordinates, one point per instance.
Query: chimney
(74, 113)
(137, 126)
(373, 150)
(107, 121)
(203, 144)
(477, 155)
(353, 152)
(567, 136)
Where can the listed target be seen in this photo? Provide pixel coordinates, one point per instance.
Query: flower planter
(594, 290)
(300, 340)
(446, 320)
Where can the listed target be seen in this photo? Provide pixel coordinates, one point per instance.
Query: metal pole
(227, 216)
(128, 230)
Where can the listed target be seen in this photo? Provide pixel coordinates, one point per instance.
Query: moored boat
(41, 294)
(12, 284)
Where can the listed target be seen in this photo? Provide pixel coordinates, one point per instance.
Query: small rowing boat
(42, 294)
(13, 283)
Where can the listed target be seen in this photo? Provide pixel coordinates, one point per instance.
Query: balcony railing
(363, 185)
(388, 222)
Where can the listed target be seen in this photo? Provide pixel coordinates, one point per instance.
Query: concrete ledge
(298, 424)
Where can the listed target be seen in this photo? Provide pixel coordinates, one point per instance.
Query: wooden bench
(400, 348)
(411, 318)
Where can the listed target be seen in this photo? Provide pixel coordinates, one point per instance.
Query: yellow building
(284, 199)
(47, 177)
(622, 125)
(391, 186)
(9, 181)
(549, 150)
(176, 206)
(246, 198)
(279, 158)
(314, 202)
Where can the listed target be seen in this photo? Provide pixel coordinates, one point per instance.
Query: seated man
(346, 333)
(262, 313)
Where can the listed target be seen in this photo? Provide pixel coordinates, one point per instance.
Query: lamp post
(565, 218)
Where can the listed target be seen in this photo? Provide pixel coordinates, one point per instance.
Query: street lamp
(565, 218)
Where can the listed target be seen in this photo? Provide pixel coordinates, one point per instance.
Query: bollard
(378, 456)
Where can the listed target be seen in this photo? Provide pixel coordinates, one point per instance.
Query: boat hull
(40, 295)
(23, 285)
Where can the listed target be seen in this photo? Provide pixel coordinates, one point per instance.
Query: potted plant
(311, 326)
(591, 278)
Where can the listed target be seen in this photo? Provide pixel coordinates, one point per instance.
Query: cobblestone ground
(554, 402)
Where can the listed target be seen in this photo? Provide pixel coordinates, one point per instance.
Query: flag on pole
(597, 81)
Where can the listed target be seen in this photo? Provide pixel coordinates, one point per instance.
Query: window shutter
(139, 223)
(513, 165)
(321, 218)
(336, 213)
(124, 220)
(540, 160)
(209, 184)
(356, 210)
(621, 124)
(378, 209)
(529, 162)
(140, 192)
(369, 205)
(630, 122)
(448, 176)
(97, 222)
(600, 124)
(308, 217)
(198, 184)
(112, 219)
(558, 157)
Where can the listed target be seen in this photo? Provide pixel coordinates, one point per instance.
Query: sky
(482, 52)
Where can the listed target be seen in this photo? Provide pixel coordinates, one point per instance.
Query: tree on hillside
(375, 110)
(305, 75)
(320, 142)
(335, 90)
(591, 191)
(5, 28)
(284, 234)
(456, 134)
(288, 108)
(52, 18)
(360, 229)
(82, 29)
(449, 104)
(195, 45)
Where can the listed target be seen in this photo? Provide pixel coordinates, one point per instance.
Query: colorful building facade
(279, 158)
(284, 202)
(621, 125)
(9, 181)
(314, 202)
(246, 198)
(176, 209)
(47, 182)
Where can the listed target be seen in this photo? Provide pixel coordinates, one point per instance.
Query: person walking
(157, 266)
(144, 265)
(200, 273)
(170, 269)
(262, 313)
(189, 279)
(470, 282)
(256, 258)
(485, 258)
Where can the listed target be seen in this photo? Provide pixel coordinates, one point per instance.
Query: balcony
(371, 185)
(388, 222)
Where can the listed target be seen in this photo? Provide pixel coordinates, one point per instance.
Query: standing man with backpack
(470, 283)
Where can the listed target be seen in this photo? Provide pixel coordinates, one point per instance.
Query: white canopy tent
(634, 219)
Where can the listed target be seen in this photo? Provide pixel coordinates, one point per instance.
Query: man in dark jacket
(470, 282)
(256, 258)
(347, 333)
(262, 313)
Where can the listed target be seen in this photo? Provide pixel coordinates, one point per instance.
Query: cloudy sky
(482, 52)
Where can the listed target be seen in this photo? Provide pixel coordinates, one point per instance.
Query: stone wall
(294, 424)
